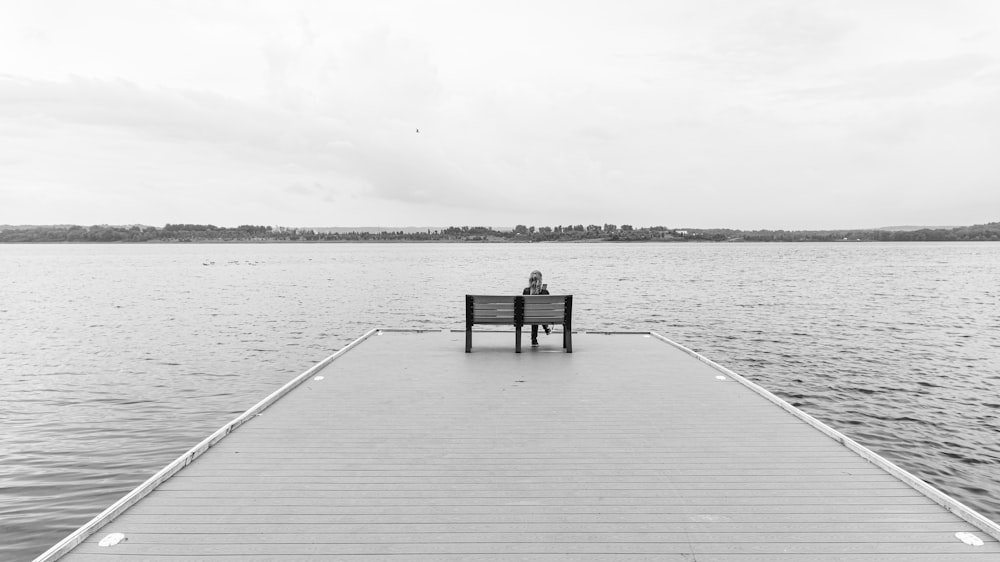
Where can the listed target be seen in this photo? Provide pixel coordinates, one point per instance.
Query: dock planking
(407, 448)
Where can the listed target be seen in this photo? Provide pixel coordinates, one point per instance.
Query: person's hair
(535, 282)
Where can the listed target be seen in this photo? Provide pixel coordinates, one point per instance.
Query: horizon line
(379, 228)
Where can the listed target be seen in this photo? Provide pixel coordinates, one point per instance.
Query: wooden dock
(406, 448)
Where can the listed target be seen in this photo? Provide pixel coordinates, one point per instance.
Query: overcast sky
(791, 114)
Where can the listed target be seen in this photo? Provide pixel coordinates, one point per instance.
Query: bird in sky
(418, 130)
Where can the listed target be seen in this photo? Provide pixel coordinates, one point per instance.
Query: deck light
(115, 538)
(969, 539)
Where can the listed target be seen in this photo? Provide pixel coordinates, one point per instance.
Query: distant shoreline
(378, 242)
(250, 234)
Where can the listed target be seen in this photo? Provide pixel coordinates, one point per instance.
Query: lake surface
(115, 359)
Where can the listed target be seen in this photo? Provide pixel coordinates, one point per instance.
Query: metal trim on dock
(140, 491)
(944, 500)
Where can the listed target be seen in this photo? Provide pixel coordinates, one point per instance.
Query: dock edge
(128, 500)
(956, 507)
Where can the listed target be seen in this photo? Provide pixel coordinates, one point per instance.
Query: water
(115, 359)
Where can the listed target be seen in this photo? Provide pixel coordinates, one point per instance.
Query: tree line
(520, 233)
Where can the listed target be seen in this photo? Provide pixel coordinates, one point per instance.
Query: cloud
(163, 113)
(730, 113)
(376, 156)
(908, 78)
(781, 36)
(85, 129)
(753, 41)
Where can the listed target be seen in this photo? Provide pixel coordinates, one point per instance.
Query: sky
(748, 114)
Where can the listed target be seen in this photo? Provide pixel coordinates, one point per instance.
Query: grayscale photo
(479, 281)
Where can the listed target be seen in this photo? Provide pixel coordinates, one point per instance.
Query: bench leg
(568, 338)
(517, 339)
(468, 338)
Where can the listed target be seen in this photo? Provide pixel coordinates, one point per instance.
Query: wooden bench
(518, 311)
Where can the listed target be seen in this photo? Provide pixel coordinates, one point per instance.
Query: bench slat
(532, 310)
(552, 299)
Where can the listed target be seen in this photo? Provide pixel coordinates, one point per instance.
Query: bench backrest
(518, 310)
(547, 309)
(491, 309)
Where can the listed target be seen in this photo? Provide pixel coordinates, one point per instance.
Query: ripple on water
(144, 351)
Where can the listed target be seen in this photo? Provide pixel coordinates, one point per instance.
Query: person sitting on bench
(536, 287)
